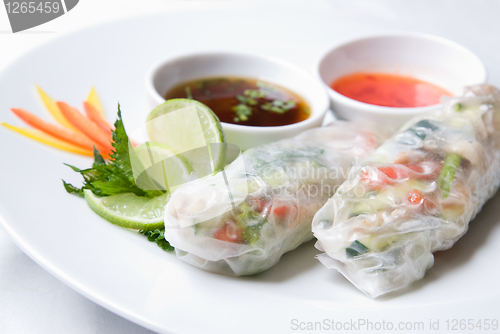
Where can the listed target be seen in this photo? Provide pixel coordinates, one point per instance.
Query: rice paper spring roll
(242, 221)
(415, 195)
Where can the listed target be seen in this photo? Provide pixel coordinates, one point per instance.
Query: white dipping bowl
(172, 72)
(429, 58)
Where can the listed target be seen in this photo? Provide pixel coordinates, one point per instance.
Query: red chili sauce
(388, 90)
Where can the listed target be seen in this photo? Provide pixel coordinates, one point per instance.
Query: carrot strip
(72, 137)
(49, 140)
(53, 109)
(86, 125)
(97, 118)
(94, 100)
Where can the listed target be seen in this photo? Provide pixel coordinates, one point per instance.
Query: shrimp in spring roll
(415, 195)
(241, 221)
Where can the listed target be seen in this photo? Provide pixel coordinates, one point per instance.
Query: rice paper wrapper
(415, 195)
(242, 220)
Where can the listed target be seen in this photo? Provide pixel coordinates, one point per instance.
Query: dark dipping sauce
(244, 101)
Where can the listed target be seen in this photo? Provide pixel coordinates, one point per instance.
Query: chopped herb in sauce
(245, 101)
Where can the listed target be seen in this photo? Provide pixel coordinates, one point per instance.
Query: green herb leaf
(255, 94)
(450, 167)
(356, 248)
(189, 95)
(72, 189)
(158, 237)
(120, 158)
(115, 177)
(278, 103)
(278, 106)
(241, 98)
(98, 159)
(264, 85)
(242, 111)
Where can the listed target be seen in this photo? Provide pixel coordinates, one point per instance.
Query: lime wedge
(159, 167)
(191, 128)
(128, 210)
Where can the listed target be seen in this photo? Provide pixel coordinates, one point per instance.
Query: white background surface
(31, 300)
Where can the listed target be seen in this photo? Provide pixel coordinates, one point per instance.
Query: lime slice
(128, 210)
(159, 167)
(191, 128)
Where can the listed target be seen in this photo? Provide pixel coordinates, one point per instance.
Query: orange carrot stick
(97, 118)
(85, 125)
(70, 136)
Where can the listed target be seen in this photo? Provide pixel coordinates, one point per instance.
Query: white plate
(132, 277)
